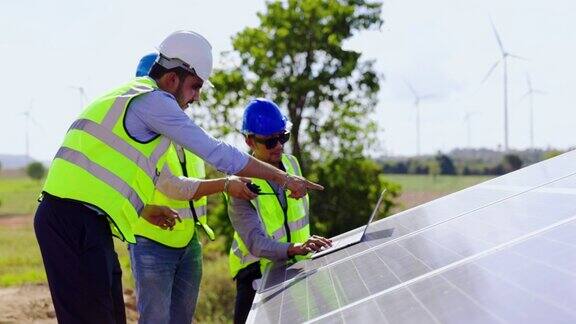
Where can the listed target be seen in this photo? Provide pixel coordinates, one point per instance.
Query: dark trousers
(245, 292)
(82, 267)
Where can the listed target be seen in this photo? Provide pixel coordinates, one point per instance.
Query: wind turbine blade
(490, 71)
(35, 122)
(497, 37)
(525, 95)
(428, 96)
(518, 57)
(411, 89)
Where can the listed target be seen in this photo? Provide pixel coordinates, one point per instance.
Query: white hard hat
(188, 50)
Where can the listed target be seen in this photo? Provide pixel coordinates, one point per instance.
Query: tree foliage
(511, 162)
(445, 163)
(295, 57)
(36, 170)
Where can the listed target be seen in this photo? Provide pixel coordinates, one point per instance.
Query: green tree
(352, 187)
(511, 162)
(295, 58)
(445, 164)
(35, 170)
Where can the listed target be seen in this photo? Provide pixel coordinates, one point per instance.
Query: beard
(182, 102)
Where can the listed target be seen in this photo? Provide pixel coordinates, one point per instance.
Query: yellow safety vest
(181, 163)
(290, 225)
(101, 165)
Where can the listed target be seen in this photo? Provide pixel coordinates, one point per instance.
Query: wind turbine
(468, 121)
(27, 119)
(417, 99)
(82, 93)
(505, 55)
(530, 94)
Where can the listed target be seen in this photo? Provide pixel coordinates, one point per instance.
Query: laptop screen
(375, 211)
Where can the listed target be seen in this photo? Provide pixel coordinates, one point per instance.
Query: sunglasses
(271, 142)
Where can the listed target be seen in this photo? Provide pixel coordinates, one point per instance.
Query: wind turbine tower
(530, 94)
(417, 99)
(28, 120)
(82, 93)
(504, 59)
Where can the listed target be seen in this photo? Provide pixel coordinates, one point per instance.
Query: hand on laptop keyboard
(314, 243)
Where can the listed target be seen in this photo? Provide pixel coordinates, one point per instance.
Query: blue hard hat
(145, 64)
(263, 117)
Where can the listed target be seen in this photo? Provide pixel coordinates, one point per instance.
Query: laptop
(352, 239)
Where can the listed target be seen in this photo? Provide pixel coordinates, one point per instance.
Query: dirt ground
(414, 198)
(15, 221)
(32, 304)
(26, 304)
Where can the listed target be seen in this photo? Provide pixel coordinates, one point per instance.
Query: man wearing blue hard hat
(274, 226)
(103, 177)
(167, 265)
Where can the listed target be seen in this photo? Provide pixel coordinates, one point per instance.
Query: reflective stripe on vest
(183, 231)
(118, 107)
(186, 213)
(244, 259)
(277, 235)
(79, 159)
(298, 172)
(148, 165)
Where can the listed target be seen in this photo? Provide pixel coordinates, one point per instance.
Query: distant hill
(12, 161)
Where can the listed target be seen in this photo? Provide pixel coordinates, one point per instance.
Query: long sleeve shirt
(249, 226)
(157, 112)
(179, 188)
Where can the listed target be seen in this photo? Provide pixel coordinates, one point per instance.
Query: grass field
(20, 260)
(428, 183)
(21, 263)
(419, 189)
(18, 196)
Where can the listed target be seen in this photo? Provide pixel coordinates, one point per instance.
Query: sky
(443, 48)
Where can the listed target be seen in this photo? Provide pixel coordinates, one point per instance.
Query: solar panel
(500, 251)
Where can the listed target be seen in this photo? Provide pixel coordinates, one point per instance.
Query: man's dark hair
(157, 71)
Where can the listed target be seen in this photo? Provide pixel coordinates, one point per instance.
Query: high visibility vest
(181, 163)
(289, 225)
(99, 164)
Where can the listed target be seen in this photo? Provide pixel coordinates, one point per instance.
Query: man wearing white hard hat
(102, 178)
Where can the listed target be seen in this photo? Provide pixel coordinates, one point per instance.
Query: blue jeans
(167, 280)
